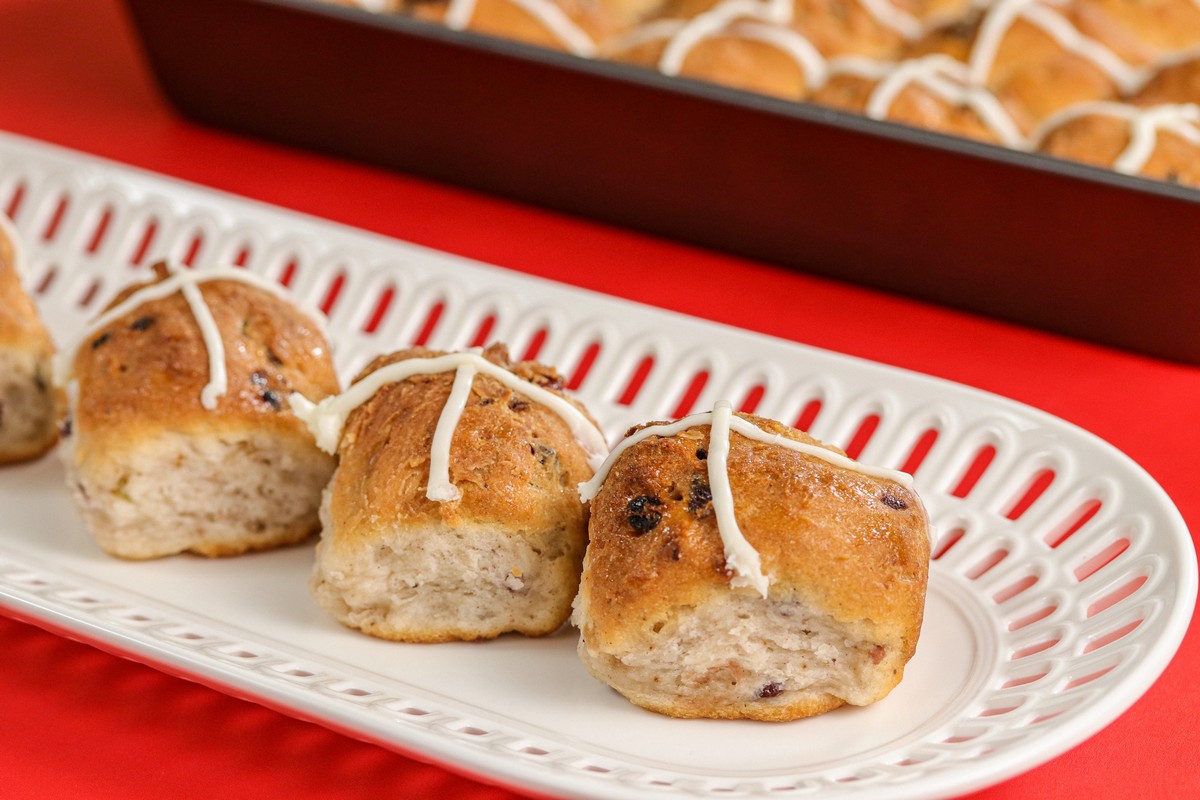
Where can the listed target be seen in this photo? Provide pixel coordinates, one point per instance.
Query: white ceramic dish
(1063, 581)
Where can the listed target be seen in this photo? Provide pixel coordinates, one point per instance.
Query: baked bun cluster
(29, 403)
(720, 566)
(1009, 72)
(738, 568)
(181, 438)
(453, 513)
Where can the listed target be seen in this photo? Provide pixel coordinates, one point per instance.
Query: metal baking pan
(1023, 237)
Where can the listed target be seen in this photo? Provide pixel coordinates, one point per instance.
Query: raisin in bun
(29, 404)
(809, 597)
(439, 528)
(164, 459)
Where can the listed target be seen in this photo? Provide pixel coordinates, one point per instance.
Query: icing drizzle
(327, 419)
(954, 82)
(1001, 17)
(440, 487)
(186, 282)
(1144, 124)
(894, 17)
(741, 558)
(998, 19)
(767, 21)
(939, 74)
(712, 22)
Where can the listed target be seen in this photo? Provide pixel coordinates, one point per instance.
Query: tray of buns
(1061, 578)
(1026, 160)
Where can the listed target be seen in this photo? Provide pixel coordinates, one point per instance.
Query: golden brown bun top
(20, 325)
(955, 39)
(1100, 139)
(1032, 74)
(847, 92)
(1176, 83)
(514, 460)
(914, 105)
(845, 27)
(601, 20)
(148, 367)
(834, 27)
(852, 545)
(1138, 32)
(729, 60)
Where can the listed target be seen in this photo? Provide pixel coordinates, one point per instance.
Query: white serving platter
(1062, 584)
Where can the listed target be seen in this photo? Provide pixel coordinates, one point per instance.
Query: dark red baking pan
(1064, 247)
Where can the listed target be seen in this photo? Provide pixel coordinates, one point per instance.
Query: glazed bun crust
(146, 370)
(914, 105)
(738, 62)
(504, 557)
(599, 21)
(1100, 140)
(153, 471)
(1177, 82)
(1139, 32)
(1032, 75)
(847, 555)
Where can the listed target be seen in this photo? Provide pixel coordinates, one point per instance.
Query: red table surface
(82, 723)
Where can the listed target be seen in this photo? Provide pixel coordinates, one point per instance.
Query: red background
(82, 723)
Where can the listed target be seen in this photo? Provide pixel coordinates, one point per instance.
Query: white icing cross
(712, 22)
(766, 21)
(327, 418)
(741, 558)
(939, 74)
(186, 282)
(1144, 125)
(1005, 13)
